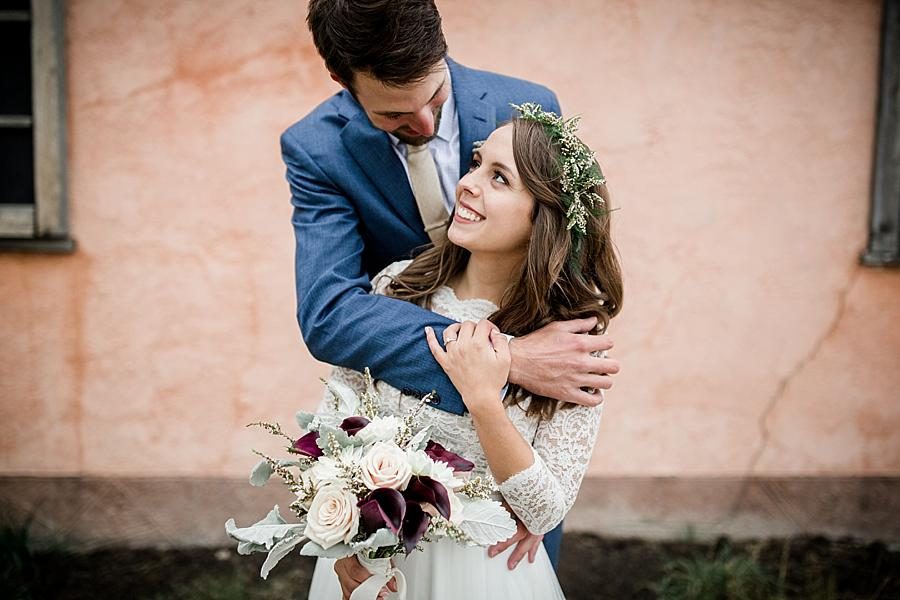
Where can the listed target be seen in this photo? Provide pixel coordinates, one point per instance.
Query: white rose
(333, 517)
(380, 429)
(385, 465)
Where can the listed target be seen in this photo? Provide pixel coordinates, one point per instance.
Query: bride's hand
(351, 574)
(476, 359)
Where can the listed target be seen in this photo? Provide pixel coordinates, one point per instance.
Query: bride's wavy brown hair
(553, 282)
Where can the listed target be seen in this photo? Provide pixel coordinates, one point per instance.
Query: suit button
(435, 399)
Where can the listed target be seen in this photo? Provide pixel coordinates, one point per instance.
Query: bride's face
(493, 207)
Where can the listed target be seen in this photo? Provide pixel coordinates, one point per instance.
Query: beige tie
(426, 188)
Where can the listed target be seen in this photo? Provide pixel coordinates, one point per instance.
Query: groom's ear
(344, 84)
(338, 80)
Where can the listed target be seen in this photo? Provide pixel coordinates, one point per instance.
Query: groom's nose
(422, 122)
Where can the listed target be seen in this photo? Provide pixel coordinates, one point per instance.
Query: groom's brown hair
(397, 42)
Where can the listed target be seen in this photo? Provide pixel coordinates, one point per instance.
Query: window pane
(15, 4)
(15, 68)
(16, 166)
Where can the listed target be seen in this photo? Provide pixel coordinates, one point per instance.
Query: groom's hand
(556, 361)
(525, 541)
(351, 574)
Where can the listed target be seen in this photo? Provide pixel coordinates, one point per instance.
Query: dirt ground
(591, 568)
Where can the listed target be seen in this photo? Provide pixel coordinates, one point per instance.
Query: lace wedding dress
(540, 495)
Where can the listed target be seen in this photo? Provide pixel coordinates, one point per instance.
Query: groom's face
(411, 112)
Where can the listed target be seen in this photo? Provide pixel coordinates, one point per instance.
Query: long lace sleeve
(542, 494)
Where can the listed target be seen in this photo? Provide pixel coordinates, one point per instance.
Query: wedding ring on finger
(450, 340)
(595, 391)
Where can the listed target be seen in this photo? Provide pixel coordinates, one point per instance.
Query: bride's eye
(474, 164)
(500, 178)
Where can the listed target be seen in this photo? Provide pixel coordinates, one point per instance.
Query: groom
(352, 165)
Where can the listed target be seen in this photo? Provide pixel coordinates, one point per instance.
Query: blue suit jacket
(354, 214)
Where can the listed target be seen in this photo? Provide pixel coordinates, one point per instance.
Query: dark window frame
(883, 248)
(44, 225)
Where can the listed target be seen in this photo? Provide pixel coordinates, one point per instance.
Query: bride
(529, 243)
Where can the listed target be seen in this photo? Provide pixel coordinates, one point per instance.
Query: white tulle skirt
(446, 570)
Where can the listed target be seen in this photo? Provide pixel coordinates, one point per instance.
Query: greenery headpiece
(578, 171)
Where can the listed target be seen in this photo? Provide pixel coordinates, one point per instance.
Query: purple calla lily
(426, 489)
(307, 446)
(383, 507)
(414, 526)
(453, 460)
(352, 425)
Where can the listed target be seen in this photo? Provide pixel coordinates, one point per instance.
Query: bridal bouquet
(371, 486)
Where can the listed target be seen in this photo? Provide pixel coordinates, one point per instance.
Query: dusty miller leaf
(267, 532)
(382, 537)
(348, 402)
(420, 440)
(486, 522)
(304, 419)
(336, 551)
(261, 473)
(279, 551)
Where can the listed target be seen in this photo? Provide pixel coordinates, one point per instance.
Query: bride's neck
(485, 277)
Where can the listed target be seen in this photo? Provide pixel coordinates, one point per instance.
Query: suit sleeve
(341, 323)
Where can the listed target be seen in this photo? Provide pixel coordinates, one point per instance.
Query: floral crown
(579, 173)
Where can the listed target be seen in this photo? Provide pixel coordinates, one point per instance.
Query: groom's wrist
(516, 372)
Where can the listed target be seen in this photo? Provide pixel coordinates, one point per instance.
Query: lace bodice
(543, 493)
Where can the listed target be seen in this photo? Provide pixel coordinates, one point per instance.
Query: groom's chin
(413, 140)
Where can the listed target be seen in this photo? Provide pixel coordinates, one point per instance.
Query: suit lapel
(477, 118)
(372, 151)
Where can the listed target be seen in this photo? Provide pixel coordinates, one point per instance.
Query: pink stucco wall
(737, 138)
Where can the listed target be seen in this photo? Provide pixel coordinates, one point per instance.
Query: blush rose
(385, 466)
(333, 517)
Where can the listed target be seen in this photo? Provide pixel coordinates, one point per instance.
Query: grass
(210, 587)
(724, 576)
(20, 572)
(728, 575)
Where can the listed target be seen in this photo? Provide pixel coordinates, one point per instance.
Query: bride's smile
(466, 215)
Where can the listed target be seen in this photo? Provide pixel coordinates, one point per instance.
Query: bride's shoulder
(384, 277)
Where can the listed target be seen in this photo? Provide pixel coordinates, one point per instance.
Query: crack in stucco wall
(765, 433)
